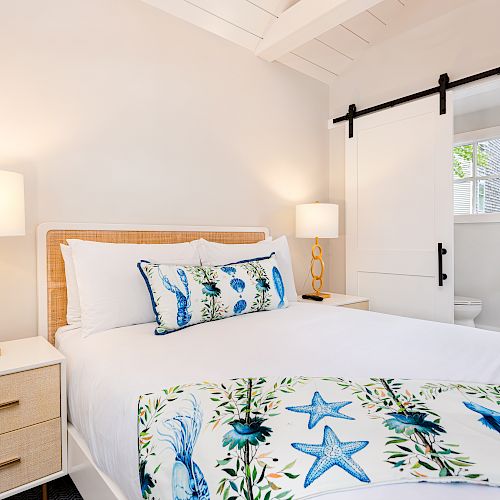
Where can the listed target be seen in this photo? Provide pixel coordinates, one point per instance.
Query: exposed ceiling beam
(306, 20)
(190, 11)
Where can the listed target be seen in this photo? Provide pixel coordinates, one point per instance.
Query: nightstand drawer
(359, 305)
(29, 397)
(29, 454)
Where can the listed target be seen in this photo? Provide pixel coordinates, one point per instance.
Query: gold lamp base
(317, 279)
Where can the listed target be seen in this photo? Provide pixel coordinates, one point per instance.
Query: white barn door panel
(399, 206)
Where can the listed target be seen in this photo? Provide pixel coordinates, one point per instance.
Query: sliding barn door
(399, 207)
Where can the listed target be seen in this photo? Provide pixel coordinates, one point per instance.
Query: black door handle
(441, 276)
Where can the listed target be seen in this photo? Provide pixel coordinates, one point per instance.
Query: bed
(109, 370)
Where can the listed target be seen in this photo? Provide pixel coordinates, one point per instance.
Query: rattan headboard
(51, 277)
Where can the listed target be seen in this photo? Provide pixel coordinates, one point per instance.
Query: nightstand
(340, 300)
(32, 415)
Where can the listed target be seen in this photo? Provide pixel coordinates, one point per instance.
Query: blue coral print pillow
(186, 295)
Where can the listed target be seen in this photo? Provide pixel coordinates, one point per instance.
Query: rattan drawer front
(29, 397)
(29, 454)
(359, 305)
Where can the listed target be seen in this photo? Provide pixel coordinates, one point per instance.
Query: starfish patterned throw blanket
(268, 438)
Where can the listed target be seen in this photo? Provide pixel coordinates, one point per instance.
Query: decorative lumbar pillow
(186, 295)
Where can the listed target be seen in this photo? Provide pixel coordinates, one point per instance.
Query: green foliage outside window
(463, 155)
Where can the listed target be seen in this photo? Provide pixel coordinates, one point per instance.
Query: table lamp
(317, 220)
(12, 221)
(11, 204)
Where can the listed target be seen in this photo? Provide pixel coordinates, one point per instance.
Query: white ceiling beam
(308, 68)
(306, 20)
(203, 18)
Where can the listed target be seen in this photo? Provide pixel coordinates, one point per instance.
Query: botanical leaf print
(490, 393)
(265, 438)
(262, 285)
(417, 444)
(213, 308)
(246, 406)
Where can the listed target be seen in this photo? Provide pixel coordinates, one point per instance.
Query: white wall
(463, 42)
(477, 273)
(477, 245)
(477, 120)
(117, 112)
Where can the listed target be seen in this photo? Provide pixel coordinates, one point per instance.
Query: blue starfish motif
(332, 452)
(319, 408)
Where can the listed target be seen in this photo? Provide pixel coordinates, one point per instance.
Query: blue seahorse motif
(183, 300)
(280, 287)
(181, 433)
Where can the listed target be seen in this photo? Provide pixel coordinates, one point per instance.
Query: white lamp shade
(317, 220)
(12, 221)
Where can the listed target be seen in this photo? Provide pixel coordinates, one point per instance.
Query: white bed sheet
(109, 370)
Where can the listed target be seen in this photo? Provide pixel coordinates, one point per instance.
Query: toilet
(466, 310)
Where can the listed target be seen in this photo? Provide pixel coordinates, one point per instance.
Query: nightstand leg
(45, 494)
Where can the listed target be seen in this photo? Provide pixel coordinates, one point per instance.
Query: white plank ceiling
(320, 38)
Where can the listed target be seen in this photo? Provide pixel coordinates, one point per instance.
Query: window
(476, 177)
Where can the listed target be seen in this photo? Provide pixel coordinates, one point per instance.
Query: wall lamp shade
(317, 220)
(12, 219)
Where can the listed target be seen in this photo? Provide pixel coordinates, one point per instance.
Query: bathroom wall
(477, 120)
(477, 245)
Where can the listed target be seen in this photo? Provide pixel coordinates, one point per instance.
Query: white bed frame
(93, 483)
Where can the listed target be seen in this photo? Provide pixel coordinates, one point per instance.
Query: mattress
(108, 371)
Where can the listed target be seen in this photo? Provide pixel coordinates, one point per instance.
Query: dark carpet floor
(60, 489)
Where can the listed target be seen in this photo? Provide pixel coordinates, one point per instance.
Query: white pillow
(112, 292)
(73, 312)
(218, 254)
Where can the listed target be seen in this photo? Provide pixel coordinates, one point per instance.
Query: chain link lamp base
(317, 279)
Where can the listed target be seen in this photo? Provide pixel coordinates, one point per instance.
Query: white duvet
(108, 371)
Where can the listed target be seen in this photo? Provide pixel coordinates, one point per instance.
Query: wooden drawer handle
(9, 404)
(10, 462)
